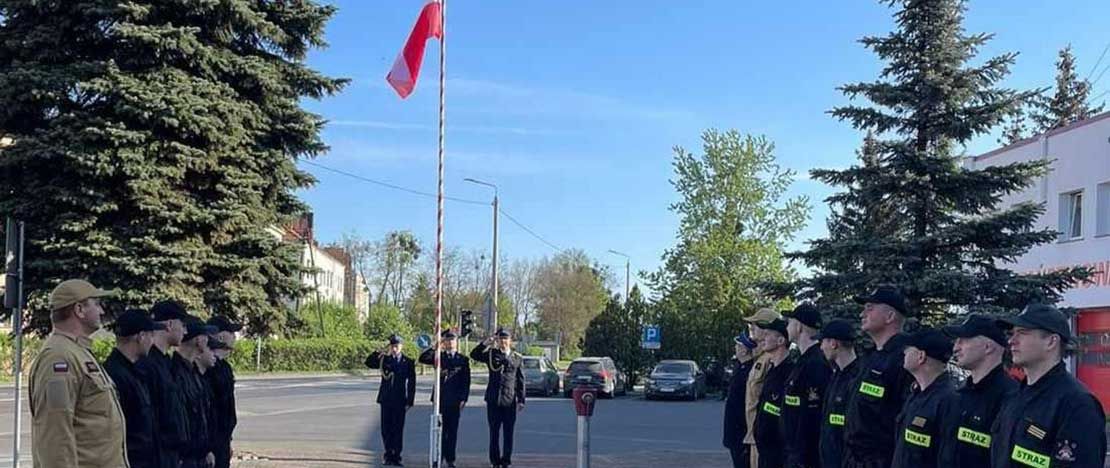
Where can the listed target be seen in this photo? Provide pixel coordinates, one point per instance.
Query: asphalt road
(334, 417)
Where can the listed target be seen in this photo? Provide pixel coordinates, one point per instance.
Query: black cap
(217, 344)
(838, 329)
(169, 310)
(778, 325)
(195, 328)
(806, 313)
(503, 333)
(134, 321)
(932, 342)
(978, 325)
(888, 295)
(449, 334)
(224, 324)
(395, 339)
(1040, 317)
(744, 339)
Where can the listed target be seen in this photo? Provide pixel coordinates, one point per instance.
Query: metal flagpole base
(435, 450)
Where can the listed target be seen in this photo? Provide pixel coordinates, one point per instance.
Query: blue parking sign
(652, 337)
(423, 341)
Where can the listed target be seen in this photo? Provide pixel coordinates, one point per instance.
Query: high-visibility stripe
(836, 419)
(973, 437)
(918, 439)
(771, 409)
(1029, 458)
(871, 389)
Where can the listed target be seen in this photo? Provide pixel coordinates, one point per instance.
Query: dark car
(675, 379)
(541, 377)
(598, 372)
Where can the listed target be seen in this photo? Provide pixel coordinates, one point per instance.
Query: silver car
(541, 377)
(675, 379)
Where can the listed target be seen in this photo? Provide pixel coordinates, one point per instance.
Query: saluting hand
(519, 407)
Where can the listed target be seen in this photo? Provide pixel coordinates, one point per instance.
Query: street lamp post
(492, 325)
(627, 273)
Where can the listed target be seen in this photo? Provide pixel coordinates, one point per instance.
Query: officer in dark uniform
(198, 449)
(396, 395)
(504, 393)
(922, 424)
(736, 424)
(172, 419)
(134, 337)
(980, 345)
(221, 379)
(454, 382)
(881, 386)
(805, 389)
(768, 428)
(837, 340)
(1053, 420)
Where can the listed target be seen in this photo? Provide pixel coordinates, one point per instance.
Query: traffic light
(466, 326)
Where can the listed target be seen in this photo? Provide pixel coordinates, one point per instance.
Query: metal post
(14, 230)
(258, 354)
(436, 426)
(583, 442)
(627, 273)
(493, 310)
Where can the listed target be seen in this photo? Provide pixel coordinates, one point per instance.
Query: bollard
(584, 400)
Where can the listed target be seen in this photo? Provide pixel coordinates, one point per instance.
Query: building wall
(329, 277)
(1080, 155)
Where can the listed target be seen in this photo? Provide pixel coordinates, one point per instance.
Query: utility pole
(627, 273)
(492, 325)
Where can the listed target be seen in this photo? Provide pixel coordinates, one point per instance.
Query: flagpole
(437, 421)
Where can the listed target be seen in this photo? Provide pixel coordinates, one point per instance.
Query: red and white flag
(407, 66)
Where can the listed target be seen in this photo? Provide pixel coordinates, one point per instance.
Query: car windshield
(582, 367)
(673, 368)
(531, 363)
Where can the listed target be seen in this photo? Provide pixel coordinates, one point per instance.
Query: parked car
(541, 377)
(597, 372)
(675, 378)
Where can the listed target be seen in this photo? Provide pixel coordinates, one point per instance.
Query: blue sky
(573, 107)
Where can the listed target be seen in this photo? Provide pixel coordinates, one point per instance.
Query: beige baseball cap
(72, 291)
(763, 316)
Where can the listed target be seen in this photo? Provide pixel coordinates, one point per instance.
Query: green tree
(385, 320)
(615, 332)
(154, 146)
(570, 293)
(339, 321)
(1069, 102)
(945, 240)
(735, 221)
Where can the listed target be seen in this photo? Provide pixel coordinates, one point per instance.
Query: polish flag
(407, 67)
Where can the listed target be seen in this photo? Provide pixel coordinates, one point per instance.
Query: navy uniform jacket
(138, 410)
(832, 415)
(398, 386)
(454, 377)
(979, 404)
(1055, 422)
(801, 412)
(922, 425)
(506, 379)
(877, 395)
(768, 429)
(736, 424)
(197, 406)
(221, 380)
(171, 418)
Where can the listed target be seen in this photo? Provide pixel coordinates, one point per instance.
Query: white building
(330, 277)
(1076, 196)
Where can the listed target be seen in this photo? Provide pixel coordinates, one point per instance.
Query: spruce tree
(155, 147)
(1069, 102)
(1015, 129)
(942, 237)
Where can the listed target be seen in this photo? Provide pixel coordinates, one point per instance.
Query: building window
(1071, 215)
(1102, 207)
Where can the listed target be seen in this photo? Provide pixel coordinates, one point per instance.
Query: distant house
(329, 274)
(356, 292)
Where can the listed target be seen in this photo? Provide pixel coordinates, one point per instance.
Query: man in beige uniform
(763, 316)
(77, 420)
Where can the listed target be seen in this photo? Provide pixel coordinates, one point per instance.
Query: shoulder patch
(91, 366)
(1036, 432)
(61, 367)
(919, 421)
(1065, 450)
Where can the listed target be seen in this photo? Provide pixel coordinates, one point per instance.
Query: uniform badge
(91, 367)
(1036, 432)
(61, 367)
(1065, 450)
(919, 421)
(813, 394)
